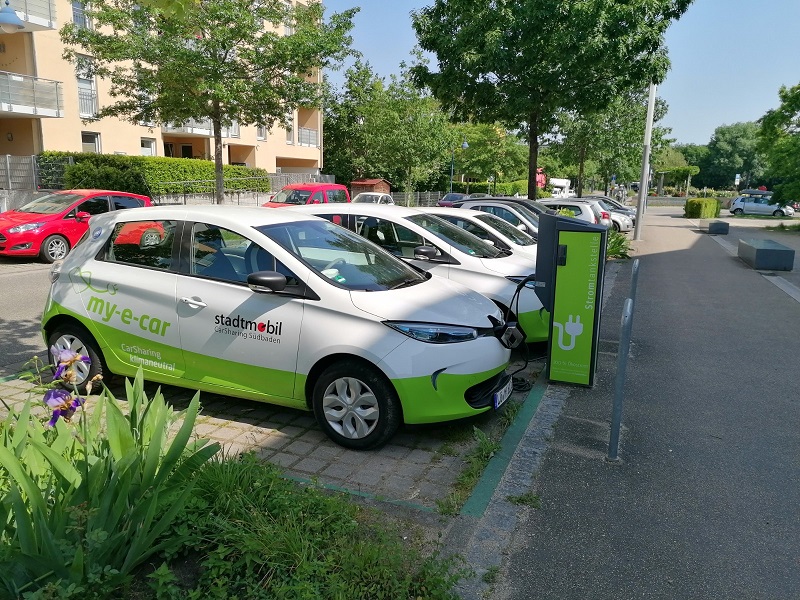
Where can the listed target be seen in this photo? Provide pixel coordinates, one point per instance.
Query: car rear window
(121, 202)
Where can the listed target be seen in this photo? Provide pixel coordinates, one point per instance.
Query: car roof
(220, 214)
(372, 210)
(449, 210)
(314, 186)
(86, 192)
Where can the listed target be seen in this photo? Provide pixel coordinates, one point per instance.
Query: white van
(272, 305)
(434, 245)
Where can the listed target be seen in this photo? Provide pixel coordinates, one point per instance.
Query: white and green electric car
(280, 307)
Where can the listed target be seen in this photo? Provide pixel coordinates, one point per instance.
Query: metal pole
(643, 179)
(619, 381)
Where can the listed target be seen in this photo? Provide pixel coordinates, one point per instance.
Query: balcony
(232, 131)
(26, 95)
(307, 137)
(38, 15)
(190, 128)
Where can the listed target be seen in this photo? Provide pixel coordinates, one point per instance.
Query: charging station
(570, 263)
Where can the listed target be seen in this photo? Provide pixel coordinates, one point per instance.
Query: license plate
(503, 395)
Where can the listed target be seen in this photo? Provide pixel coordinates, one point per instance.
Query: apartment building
(46, 104)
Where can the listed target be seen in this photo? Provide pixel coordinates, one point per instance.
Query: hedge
(702, 208)
(149, 175)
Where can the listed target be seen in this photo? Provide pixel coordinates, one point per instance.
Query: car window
(316, 198)
(121, 202)
(337, 196)
(338, 219)
(142, 243)
(94, 206)
(456, 237)
(341, 256)
(292, 196)
(507, 229)
(218, 253)
(473, 228)
(396, 240)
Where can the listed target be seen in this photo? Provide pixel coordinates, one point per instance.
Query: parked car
(373, 198)
(490, 228)
(620, 220)
(617, 206)
(449, 198)
(516, 213)
(309, 193)
(581, 209)
(757, 202)
(432, 244)
(280, 307)
(51, 224)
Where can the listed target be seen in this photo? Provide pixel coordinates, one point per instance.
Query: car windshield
(520, 238)
(528, 214)
(456, 237)
(292, 196)
(369, 198)
(50, 204)
(341, 256)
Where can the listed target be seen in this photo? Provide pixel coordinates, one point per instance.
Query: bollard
(619, 381)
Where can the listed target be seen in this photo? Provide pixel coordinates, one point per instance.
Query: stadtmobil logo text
(256, 330)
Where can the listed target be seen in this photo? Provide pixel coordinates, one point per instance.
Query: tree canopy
(519, 62)
(222, 60)
(779, 140)
(734, 149)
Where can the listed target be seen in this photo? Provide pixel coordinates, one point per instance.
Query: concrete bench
(715, 227)
(766, 255)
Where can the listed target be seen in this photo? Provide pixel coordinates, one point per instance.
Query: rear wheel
(738, 211)
(355, 405)
(76, 338)
(778, 213)
(54, 247)
(616, 225)
(151, 237)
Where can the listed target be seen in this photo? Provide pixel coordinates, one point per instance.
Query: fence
(417, 198)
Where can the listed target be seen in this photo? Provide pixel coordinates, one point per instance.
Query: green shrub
(618, 245)
(702, 208)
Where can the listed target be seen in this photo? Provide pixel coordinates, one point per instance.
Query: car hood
(437, 300)
(12, 218)
(510, 266)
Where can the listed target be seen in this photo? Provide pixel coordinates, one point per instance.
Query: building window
(261, 132)
(288, 26)
(148, 147)
(79, 16)
(169, 149)
(90, 142)
(87, 89)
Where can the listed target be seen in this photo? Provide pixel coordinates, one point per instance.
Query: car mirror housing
(266, 281)
(82, 216)
(425, 252)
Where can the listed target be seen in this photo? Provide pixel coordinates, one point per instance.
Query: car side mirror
(82, 216)
(522, 227)
(425, 252)
(266, 281)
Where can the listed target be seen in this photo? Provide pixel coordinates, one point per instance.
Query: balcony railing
(38, 15)
(80, 18)
(232, 131)
(87, 103)
(307, 137)
(30, 95)
(191, 127)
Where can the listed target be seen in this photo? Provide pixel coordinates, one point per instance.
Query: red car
(309, 193)
(52, 224)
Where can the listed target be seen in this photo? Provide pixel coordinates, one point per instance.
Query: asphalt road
(23, 292)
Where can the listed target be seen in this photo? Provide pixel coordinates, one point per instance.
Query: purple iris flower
(63, 405)
(65, 359)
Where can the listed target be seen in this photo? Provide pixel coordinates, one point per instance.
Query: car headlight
(434, 333)
(25, 227)
(517, 280)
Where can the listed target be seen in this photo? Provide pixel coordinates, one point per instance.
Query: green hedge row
(149, 175)
(702, 208)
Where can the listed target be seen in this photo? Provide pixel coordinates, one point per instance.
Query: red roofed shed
(369, 185)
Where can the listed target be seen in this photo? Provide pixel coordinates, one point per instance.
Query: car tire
(54, 247)
(151, 237)
(616, 225)
(738, 211)
(71, 336)
(355, 405)
(778, 213)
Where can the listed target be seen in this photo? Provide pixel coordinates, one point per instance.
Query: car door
(74, 229)
(232, 336)
(129, 293)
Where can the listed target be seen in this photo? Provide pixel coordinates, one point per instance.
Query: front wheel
(54, 247)
(76, 338)
(356, 406)
(738, 211)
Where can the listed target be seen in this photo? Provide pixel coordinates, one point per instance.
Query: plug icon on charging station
(571, 328)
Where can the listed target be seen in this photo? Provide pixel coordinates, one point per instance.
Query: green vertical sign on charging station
(575, 318)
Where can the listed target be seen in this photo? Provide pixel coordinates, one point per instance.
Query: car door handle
(193, 302)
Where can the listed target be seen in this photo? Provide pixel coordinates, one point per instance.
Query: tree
(492, 151)
(519, 62)
(734, 149)
(612, 137)
(222, 60)
(779, 140)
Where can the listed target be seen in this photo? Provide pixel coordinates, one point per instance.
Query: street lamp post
(464, 146)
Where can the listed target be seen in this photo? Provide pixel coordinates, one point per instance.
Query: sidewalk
(704, 503)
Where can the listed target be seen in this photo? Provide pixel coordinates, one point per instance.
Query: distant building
(369, 185)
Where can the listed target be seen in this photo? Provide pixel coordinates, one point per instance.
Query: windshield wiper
(407, 282)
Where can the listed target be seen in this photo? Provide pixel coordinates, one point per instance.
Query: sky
(729, 57)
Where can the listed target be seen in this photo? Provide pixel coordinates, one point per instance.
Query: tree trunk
(581, 163)
(533, 155)
(219, 191)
